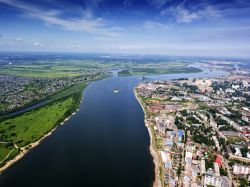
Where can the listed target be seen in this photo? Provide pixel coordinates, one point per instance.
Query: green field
(76, 88)
(5, 149)
(7, 152)
(40, 71)
(31, 126)
(53, 68)
(158, 69)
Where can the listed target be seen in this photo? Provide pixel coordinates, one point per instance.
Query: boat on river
(115, 90)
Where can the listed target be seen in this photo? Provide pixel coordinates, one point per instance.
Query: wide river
(104, 144)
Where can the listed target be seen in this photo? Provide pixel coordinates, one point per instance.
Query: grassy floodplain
(53, 69)
(155, 71)
(40, 71)
(18, 132)
(158, 69)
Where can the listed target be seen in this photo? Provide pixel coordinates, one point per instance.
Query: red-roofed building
(218, 160)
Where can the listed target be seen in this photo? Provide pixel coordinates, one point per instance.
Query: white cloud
(185, 15)
(152, 25)
(87, 22)
(38, 44)
(18, 39)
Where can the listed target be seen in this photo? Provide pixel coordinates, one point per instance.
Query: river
(104, 144)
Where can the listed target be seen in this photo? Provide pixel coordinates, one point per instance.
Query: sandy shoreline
(27, 148)
(153, 152)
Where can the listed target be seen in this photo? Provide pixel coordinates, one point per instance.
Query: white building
(236, 87)
(216, 169)
(203, 166)
(188, 158)
(216, 181)
(211, 180)
(245, 118)
(241, 169)
(216, 142)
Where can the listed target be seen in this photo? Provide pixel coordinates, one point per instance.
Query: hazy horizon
(157, 27)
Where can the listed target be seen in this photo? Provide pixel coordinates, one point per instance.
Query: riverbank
(24, 150)
(74, 92)
(153, 150)
(25, 131)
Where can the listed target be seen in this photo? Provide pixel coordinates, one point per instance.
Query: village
(18, 91)
(200, 130)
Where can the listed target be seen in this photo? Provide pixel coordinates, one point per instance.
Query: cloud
(1, 35)
(152, 25)
(185, 15)
(18, 39)
(87, 22)
(38, 44)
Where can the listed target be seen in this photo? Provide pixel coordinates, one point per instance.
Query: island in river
(160, 69)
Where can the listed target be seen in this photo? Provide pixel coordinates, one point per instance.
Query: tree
(244, 151)
(223, 172)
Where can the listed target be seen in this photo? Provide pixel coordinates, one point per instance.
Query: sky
(166, 27)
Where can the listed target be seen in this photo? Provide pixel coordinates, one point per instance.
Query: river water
(104, 144)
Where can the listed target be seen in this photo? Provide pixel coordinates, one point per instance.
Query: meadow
(158, 69)
(40, 71)
(21, 130)
(52, 68)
